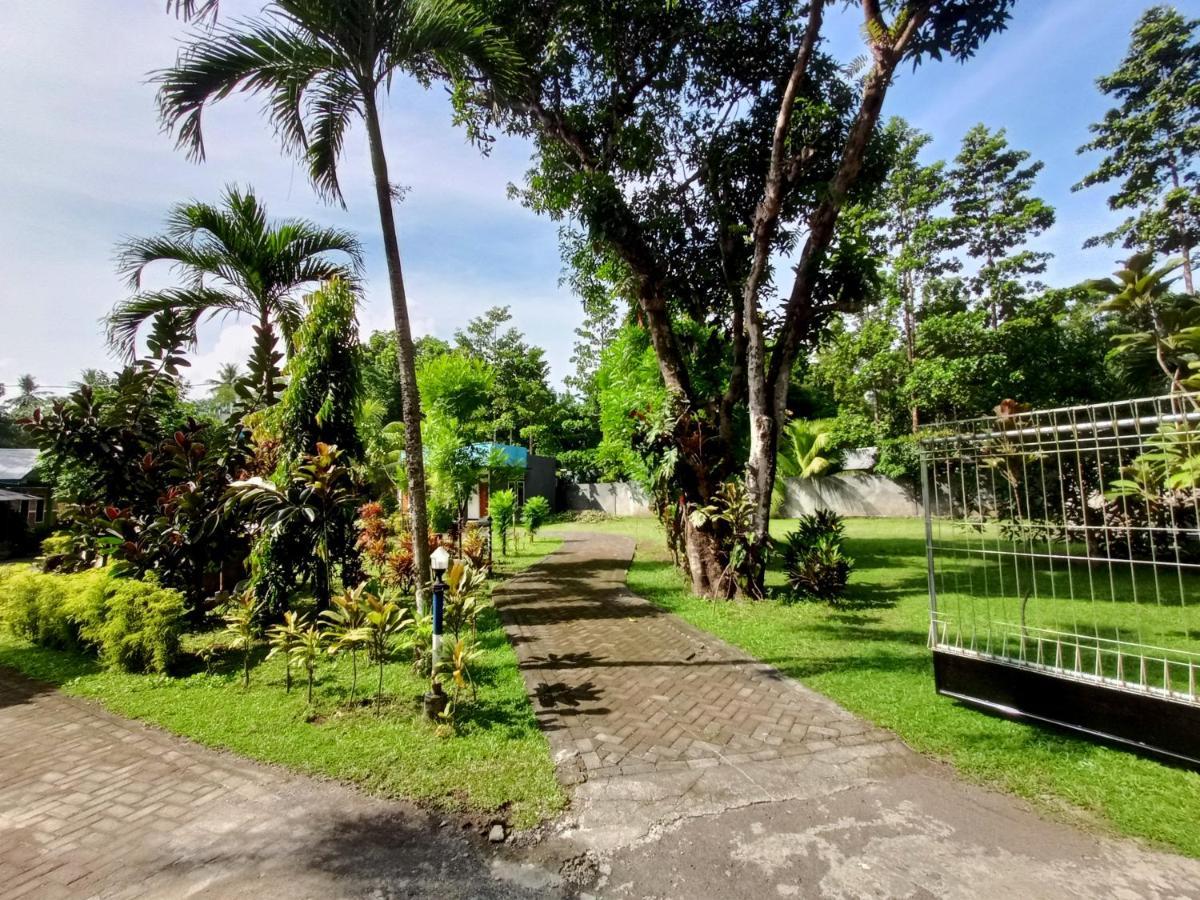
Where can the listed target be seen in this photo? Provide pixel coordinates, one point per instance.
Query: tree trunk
(1184, 245)
(410, 399)
(768, 389)
(703, 552)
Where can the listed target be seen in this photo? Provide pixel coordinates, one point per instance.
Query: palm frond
(193, 304)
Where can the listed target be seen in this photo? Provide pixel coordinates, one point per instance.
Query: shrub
(139, 627)
(503, 507)
(133, 625)
(474, 547)
(814, 560)
(537, 511)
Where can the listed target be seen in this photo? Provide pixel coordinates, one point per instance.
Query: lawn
(495, 761)
(871, 657)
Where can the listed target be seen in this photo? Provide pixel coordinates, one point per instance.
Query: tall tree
(322, 64)
(1150, 139)
(698, 143)
(232, 260)
(520, 393)
(996, 216)
(917, 235)
(223, 388)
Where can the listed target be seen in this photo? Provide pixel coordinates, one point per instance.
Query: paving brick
(613, 674)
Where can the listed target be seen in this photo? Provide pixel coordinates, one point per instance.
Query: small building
(536, 476)
(20, 487)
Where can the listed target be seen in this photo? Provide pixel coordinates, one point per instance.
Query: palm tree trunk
(410, 398)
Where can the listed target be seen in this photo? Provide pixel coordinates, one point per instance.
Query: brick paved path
(92, 805)
(622, 688)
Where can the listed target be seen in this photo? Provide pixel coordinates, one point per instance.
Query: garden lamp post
(435, 700)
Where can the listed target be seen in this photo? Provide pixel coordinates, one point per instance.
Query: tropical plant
(242, 619)
(731, 514)
(537, 511)
(463, 599)
(814, 559)
(346, 626)
(283, 638)
(308, 651)
(384, 622)
(1158, 328)
(457, 665)
(419, 641)
(232, 260)
(28, 397)
(307, 524)
(806, 450)
(502, 507)
(224, 387)
(321, 64)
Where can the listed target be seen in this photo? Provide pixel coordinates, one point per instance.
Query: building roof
(15, 497)
(16, 465)
(513, 455)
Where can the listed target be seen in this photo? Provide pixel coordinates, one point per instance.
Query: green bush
(503, 509)
(133, 625)
(537, 511)
(814, 561)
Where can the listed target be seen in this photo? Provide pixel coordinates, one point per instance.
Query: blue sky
(83, 163)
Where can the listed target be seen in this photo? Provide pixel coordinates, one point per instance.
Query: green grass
(496, 759)
(871, 657)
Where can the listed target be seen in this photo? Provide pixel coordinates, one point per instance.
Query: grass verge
(871, 657)
(495, 761)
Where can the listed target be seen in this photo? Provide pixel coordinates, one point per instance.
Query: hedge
(134, 626)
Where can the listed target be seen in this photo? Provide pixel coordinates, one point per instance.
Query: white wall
(617, 498)
(851, 494)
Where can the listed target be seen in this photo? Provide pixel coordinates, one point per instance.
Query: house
(20, 487)
(537, 477)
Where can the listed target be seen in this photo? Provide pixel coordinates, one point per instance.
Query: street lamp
(435, 700)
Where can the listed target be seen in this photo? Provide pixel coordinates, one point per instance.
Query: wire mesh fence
(1068, 541)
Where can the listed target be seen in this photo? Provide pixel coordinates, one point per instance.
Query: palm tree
(232, 260)
(28, 397)
(223, 388)
(805, 451)
(322, 64)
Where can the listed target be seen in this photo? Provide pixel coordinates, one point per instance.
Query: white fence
(617, 498)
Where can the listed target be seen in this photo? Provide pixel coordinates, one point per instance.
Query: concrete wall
(617, 498)
(847, 493)
(851, 494)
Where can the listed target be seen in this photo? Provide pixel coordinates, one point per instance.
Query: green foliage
(307, 650)
(384, 622)
(502, 507)
(814, 559)
(806, 450)
(142, 479)
(243, 625)
(283, 638)
(731, 516)
(1156, 328)
(537, 511)
(1150, 138)
(232, 259)
(324, 376)
(995, 216)
(346, 628)
(518, 395)
(135, 626)
(307, 526)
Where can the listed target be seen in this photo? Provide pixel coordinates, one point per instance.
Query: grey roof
(15, 465)
(14, 497)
